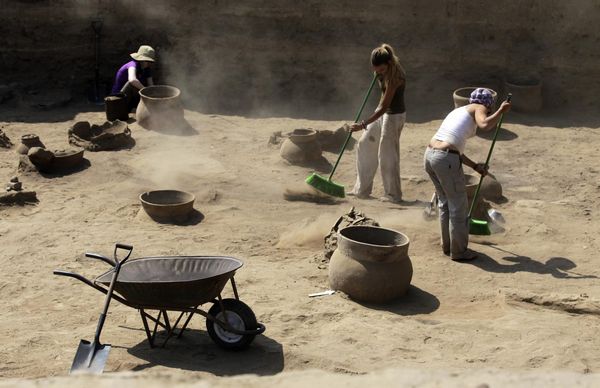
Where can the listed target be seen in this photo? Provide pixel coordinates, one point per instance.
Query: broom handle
(487, 161)
(355, 121)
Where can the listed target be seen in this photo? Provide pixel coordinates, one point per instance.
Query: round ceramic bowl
(168, 205)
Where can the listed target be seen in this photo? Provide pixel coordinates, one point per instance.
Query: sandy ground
(531, 302)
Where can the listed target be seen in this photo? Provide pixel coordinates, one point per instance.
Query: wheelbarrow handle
(80, 278)
(100, 257)
(124, 247)
(91, 284)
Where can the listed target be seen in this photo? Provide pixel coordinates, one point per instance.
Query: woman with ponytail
(379, 145)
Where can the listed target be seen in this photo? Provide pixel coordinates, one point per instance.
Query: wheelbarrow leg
(156, 323)
(187, 321)
(167, 324)
(172, 329)
(235, 292)
(146, 328)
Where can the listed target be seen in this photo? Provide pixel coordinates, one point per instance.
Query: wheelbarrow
(180, 284)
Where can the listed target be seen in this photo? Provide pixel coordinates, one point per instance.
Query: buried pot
(168, 205)
(527, 93)
(371, 264)
(301, 146)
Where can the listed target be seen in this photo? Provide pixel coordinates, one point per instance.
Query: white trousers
(379, 146)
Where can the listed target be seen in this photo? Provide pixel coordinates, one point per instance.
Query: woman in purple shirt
(135, 75)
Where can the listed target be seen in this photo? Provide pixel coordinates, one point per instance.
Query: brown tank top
(397, 104)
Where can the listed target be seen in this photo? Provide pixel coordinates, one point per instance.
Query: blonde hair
(385, 54)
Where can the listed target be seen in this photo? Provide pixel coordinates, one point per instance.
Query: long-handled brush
(326, 185)
(481, 227)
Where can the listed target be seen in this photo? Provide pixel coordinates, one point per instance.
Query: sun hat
(144, 53)
(482, 96)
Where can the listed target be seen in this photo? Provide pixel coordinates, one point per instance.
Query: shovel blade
(90, 358)
(429, 212)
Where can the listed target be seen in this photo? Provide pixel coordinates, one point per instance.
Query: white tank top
(456, 128)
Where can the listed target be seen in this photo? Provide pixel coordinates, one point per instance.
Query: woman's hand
(357, 126)
(481, 168)
(505, 107)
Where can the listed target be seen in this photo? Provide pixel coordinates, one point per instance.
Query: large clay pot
(301, 146)
(29, 141)
(461, 96)
(371, 264)
(160, 108)
(527, 93)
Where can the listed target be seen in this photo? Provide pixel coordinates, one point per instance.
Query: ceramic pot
(29, 141)
(371, 264)
(116, 108)
(301, 146)
(527, 94)
(160, 107)
(67, 159)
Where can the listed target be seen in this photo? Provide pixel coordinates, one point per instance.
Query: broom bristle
(326, 186)
(479, 227)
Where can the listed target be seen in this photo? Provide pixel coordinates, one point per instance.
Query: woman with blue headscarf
(443, 160)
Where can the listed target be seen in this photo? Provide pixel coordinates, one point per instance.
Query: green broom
(326, 185)
(481, 227)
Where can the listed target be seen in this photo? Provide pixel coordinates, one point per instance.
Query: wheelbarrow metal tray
(172, 282)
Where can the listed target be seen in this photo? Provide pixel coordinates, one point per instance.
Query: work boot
(467, 255)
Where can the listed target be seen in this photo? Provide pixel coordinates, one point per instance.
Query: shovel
(91, 356)
(430, 210)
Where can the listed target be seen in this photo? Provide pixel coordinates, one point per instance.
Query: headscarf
(482, 96)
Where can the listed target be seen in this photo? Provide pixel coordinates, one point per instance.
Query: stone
(4, 140)
(14, 186)
(40, 157)
(18, 198)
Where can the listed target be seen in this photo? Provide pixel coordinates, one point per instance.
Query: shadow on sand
(557, 267)
(415, 302)
(503, 135)
(193, 218)
(195, 351)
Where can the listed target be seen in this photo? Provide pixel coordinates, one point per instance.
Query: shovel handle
(100, 257)
(125, 247)
(487, 161)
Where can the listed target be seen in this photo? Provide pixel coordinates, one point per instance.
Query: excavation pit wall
(307, 59)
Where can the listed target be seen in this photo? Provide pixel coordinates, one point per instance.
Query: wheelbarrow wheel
(239, 316)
